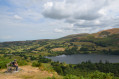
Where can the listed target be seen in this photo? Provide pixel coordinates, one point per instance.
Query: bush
(53, 77)
(36, 64)
(4, 62)
(22, 62)
(43, 59)
(101, 75)
(59, 70)
(47, 67)
(70, 77)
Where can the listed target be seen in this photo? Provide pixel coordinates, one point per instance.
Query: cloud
(83, 9)
(55, 10)
(85, 15)
(17, 17)
(58, 30)
(26, 10)
(97, 22)
(56, 18)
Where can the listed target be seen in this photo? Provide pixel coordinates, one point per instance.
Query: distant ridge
(107, 32)
(98, 34)
(75, 36)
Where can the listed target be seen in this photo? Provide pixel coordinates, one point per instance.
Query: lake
(78, 58)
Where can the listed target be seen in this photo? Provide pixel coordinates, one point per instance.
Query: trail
(27, 72)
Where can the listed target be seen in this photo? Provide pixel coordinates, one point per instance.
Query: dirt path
(27, 72)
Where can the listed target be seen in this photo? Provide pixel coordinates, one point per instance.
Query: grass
(27, 76)
(58, 49)
(46, 67)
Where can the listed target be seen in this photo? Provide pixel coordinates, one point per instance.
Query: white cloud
(102, 11)
(18, 17)
(97, 22)
(84, 9)
(48, 5)
(67, 16)
(58, 30)
(85, 14)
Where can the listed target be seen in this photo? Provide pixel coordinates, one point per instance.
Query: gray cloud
(54, 14)
(85, 9)
(85, 15)
(67, 17)
(93, 26)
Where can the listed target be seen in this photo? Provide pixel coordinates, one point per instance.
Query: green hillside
(33, 52)
(106, 42)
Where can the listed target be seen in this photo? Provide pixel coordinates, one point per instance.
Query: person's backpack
(13, 63)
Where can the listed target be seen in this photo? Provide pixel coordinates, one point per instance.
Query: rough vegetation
(33, 53)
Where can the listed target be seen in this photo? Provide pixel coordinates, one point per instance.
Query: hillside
(75, 36)
(28, 72)
(106, 42)
(112, 31)
(98, 34)
(31, 57)
(106, 33)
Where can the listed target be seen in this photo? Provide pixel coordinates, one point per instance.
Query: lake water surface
(78, 58)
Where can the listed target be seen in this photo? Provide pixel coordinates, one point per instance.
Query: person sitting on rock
(15, 64)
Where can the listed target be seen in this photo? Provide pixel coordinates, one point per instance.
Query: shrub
(22, 62)
(4, 62)
(70, 77)
(36, 64)
(53, 77)
(101, 75)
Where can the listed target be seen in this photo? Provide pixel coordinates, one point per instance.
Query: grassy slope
(42, 47)
(29, 72)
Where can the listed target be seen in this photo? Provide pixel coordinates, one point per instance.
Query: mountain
(75, 36)
(106, 42)
(106, 33)
(100, 34)
(112, 31)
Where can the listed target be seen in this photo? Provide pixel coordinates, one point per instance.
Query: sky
(22, 20)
